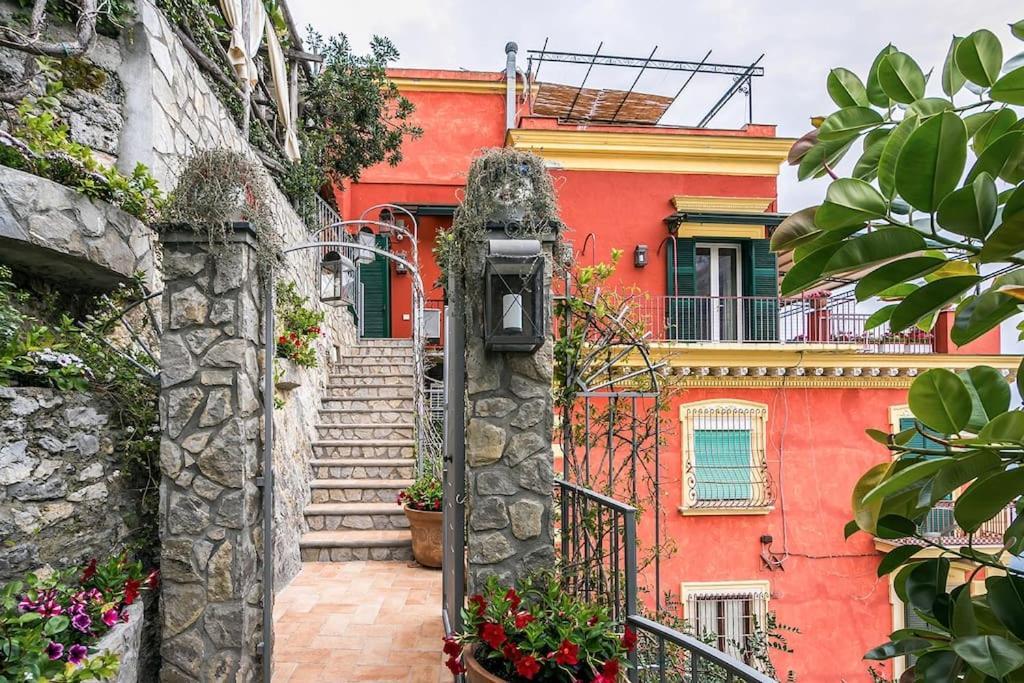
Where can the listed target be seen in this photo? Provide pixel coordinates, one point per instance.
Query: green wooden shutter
(761, 280)
(376, 280)
(682, 311)
(940, 519)
(721, 459)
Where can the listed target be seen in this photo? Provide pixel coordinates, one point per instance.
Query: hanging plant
(218, 187)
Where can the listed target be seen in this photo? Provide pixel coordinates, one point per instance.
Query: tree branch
(85, 37)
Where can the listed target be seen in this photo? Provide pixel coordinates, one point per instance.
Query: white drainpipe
(510, 85)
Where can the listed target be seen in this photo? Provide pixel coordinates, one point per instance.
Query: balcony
(940, 527)
(824, 322)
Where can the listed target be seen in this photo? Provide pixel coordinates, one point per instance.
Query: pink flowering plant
(540, 633)
(50, 625)
(424, 494)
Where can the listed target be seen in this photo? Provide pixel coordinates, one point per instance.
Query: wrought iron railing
(940, 527)
(597, 538)
(433, 310)
(819, 320)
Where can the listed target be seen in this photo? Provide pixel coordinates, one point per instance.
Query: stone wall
(58, 477)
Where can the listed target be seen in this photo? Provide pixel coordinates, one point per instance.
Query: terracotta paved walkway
(360, 621)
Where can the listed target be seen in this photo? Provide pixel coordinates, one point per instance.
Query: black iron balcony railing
(831, 321)
(598, 544)
(940, 527)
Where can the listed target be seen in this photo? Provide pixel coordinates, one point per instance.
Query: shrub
(540, 633)
(425, 494)
(299, 326)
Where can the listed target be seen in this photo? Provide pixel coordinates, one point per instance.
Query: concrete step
(365, 430)
(361, 363)
(365, 403)
(377, 379)
(364, 468)
(384, 341)
(346, 373)
(347, 545)
(357, 490)
(363, 448)
(371, 389)
(359, 416)
(332, 516)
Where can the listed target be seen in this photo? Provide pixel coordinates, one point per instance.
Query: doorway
(718, 286)
(375, 281)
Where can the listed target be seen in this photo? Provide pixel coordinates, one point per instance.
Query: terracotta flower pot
(426, 536)
(476, 673)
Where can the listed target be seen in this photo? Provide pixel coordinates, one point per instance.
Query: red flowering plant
(298, 326)
(49, 625)
(540, 633)
(424, 494)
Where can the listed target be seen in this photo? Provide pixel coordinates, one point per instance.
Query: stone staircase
(363, 456)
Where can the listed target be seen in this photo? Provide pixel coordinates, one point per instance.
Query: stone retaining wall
(62, 497)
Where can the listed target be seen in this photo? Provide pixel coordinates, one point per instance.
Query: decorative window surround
(736, 605)
(745, 490)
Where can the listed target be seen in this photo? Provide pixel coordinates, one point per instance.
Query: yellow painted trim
(721, 512)
(796, 382)
(586, 150)
(740, 204)
(720, 230)
(452, 85)
(758, 452)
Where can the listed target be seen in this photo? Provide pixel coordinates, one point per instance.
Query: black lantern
(337, 279)
(640, 255)
(513, 296)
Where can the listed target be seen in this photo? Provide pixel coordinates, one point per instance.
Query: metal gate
(454, 471)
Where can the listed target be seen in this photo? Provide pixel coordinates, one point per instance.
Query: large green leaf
(1006, 598)
(1009, 88)
(932, 161)
(927, 107)
(964, 623)
(896, 557)
(874, 247)
(807, 271)
(879, 317)
(1008, 239)
(866, 167)
(899, 648)
(971, 210)
(930, 298)
(964, 468)
(901, 270)
(1003, 158)
(849, 202)
(823, 155)
(979, 57)
(1004, 428)
(977, 315)
(866, 516)
(937, 665)
(849, 122)
(846, 89)
(952, 79)
(891, 153)
(986, 498)
(876, 95)
(990, 394)
(798, 228)
(939, 399)
(1017, 29)
(992, 655)
(991, 129)
(926, 582)
(898, 480)
(901, 78)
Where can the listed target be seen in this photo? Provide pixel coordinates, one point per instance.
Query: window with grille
(724, 455)
(727, 619)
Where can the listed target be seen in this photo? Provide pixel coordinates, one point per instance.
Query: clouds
(802, 40)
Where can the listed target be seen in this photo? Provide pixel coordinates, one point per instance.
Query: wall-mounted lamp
(640, 255)
(367, 239)
(513, 296)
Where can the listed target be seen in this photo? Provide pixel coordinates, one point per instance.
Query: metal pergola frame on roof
(742, 74)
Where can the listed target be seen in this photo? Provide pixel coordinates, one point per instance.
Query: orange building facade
(765, 439)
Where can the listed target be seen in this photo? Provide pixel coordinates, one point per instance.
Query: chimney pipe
(510, 84)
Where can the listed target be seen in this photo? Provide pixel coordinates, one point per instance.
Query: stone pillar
(209, 454)
(509, 459)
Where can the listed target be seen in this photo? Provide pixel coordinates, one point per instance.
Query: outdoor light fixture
(367, 239)
(513, 296)
(337, 279)
(640, 255)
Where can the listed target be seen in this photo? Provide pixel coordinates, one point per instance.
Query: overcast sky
(801, 41)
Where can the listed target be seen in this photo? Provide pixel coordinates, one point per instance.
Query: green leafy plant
(932, 216)
(50, 624)
(426, 493)
(298, 326)
(39, 143)
(540, 633)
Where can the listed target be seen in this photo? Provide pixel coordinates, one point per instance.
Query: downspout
(510, 85)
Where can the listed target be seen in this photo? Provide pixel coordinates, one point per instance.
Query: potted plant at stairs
(540, 633)
(422, 505)
(299, 328)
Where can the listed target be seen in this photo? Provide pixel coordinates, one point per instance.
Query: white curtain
(244, 48)
(279, 88)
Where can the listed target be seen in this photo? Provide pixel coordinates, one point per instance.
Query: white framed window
(727, 614)
(724, 457)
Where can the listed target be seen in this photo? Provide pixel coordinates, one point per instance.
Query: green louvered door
(760, 291)
(681, 312)
(376, 282)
